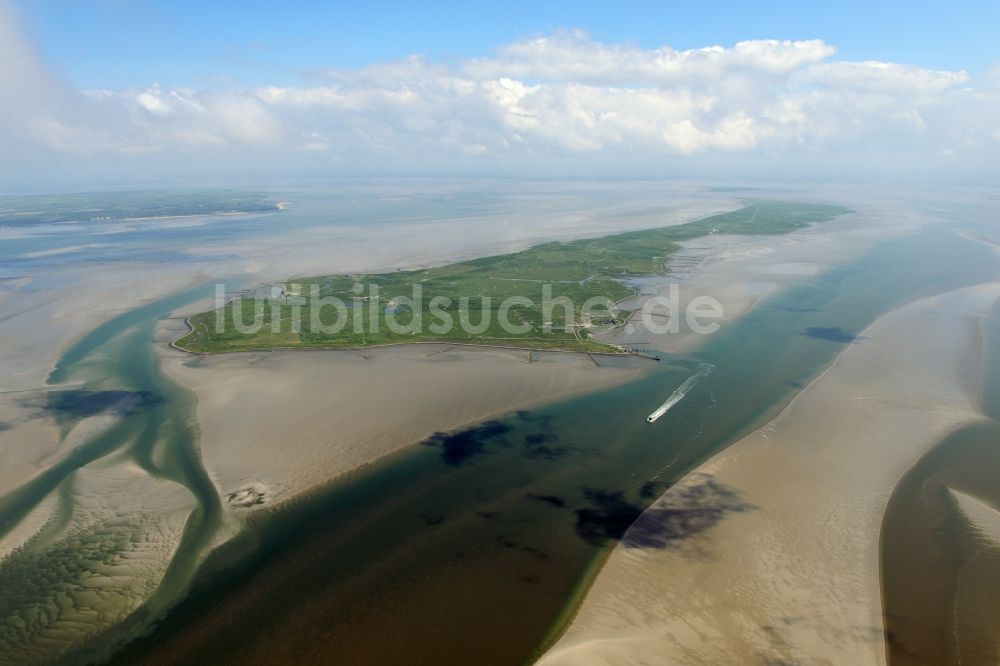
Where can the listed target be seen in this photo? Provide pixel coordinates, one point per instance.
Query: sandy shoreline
(769, 551)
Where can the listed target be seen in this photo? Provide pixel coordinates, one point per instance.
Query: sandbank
(279, 423)
(768, 552)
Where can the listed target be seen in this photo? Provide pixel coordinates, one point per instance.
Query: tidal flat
(782, 561)
(107, 509)
(537, 500)
(500, 514)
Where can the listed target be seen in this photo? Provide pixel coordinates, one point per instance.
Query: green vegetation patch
(513, 299)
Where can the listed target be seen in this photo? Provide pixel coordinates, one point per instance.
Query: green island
(470, 294)
(27, 210)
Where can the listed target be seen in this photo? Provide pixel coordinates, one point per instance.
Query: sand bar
(768, 553)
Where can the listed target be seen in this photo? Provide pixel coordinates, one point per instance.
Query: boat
(682, 390)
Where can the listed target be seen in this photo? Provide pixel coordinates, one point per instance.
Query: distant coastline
(129, 206)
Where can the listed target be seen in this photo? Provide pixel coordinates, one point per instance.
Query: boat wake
(682, 390)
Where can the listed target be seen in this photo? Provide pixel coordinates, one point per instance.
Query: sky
(119, 90)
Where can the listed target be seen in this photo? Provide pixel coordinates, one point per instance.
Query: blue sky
(132, 43)
(121, 89)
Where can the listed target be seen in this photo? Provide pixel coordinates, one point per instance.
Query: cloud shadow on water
(458, 448)
(78, 404)
(542, 445)
(553, 500)
(831, 333)
(680, 514)
(81, 404)
(608, 516)
(651, 489)
(684, 512)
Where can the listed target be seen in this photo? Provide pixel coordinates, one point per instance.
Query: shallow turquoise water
(114, 367)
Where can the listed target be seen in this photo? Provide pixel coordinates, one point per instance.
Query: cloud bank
(541, 105)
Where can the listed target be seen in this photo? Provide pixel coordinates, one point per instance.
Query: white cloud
(243, 118)
(572, 56)
(537, 101)
(885, 77)
(153, 101)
